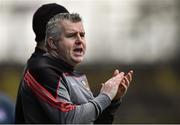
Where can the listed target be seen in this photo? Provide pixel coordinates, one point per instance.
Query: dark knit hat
(42, 16)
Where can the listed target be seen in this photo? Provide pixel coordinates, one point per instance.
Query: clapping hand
(124, 84)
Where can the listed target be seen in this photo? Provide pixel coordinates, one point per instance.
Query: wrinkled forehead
(70, 26)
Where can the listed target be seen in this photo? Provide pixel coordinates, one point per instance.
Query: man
(40, 19)
(53, 92)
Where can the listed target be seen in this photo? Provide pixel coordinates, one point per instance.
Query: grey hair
(53, 27)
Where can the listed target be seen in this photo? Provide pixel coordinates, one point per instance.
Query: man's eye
(82, 35)
(71, 35)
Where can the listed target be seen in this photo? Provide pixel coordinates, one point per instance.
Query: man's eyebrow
(75, 32)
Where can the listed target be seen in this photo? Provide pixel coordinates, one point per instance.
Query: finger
(131, 71)
(119, 78)
(116, 79)
(123, 87)
(121, 74)
(126, 81)
(129, 75)
(116, 72)
(123, 81)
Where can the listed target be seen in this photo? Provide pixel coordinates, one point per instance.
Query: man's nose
(79, 39)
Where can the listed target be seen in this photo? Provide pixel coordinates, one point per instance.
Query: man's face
(72, 44)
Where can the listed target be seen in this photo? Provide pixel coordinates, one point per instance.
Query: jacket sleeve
(58, 106)
(107, 116)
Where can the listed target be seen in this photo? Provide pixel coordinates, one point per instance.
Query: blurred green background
(142, 35)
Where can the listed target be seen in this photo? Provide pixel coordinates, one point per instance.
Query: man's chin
(78, 60)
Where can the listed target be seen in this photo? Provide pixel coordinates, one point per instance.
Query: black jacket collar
(60, 64)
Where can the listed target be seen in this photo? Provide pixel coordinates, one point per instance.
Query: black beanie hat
(42, 16)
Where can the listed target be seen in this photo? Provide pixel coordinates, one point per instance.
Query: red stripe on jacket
(43, 94)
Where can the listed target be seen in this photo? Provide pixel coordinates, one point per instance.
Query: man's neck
(41, 45)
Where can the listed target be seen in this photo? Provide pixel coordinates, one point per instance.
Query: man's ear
(52, 43)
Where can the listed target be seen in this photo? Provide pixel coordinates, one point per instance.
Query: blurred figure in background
(40, 19)
(6, 109)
